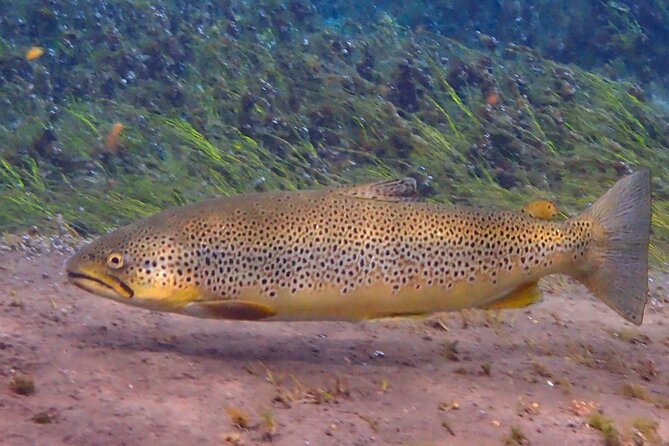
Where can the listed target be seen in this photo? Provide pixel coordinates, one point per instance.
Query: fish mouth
(105, 285)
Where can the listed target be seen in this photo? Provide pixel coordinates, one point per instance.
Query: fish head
(134, 265)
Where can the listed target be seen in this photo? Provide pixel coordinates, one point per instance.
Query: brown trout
(367, 251)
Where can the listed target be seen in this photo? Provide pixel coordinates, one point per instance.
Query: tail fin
(618, 271)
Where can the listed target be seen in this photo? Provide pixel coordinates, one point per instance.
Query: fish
(366, 252)
(113, 137)
(34, 52)
(544, 209)
(493, 98)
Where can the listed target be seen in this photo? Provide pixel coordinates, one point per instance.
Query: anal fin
(521, 297)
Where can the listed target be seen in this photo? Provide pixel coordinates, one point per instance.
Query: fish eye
(115, 260)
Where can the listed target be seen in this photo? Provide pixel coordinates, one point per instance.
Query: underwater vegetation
(114, 121)
(623, 39)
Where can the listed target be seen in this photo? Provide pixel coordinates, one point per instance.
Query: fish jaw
(86, 276)
(100, 284)
(110, 287)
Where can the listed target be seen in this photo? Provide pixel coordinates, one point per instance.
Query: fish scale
(348, 253)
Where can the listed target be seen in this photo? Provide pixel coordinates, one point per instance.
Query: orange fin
(541, 209)
(392, 190)
(238, 310)
(522, 297)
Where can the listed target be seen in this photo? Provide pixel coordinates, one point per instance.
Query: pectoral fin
(519, 298)
(239, 310)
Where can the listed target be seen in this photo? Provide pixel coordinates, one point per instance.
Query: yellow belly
(371, 302)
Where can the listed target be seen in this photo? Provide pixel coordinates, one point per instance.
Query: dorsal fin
(403, 189)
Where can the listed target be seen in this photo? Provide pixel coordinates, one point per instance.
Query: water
(114, 110)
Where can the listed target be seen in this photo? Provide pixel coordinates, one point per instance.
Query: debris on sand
(516, 437)
(583, 408)
(644, 431)
(447, 425)
(22, 385)
(632, 336)
(529, 408)
(385, 385)
(44, 417)
(635, 391)
(373, 422)
(233, 439)
(605, 425)
(238, 417)
(451, 405)
(268, 425)
(450, 351)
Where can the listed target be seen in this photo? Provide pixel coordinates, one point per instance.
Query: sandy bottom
(110, 374)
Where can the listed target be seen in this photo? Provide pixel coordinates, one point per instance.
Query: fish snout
(90, 278)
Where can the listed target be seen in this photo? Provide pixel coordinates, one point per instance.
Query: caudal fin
(618, 269)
